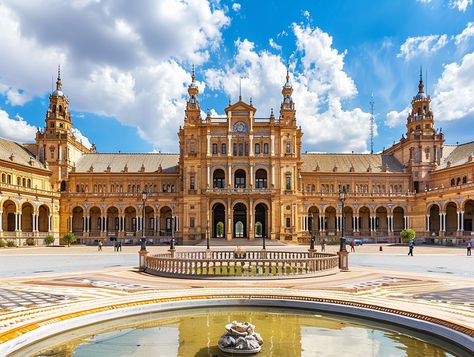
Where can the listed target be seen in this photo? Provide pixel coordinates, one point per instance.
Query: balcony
(361, 194)
(241, 191)
(24, 190)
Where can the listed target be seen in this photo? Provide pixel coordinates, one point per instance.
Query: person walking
(323, 245)
(411, 244)
(119, 246)
(469, 247)
(353, 246)
(99, 246)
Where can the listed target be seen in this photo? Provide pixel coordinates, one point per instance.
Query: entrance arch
(95, 219)
(381, 220)
(27, 217)
(261, 220)
(468, 221)
(434, 220)
(451, 218)
(330, 217)
(218, 221)
(240, 220)
(77, 220)
(130, 219)
(43, 218)
(364, 221)
(112, 220)
(166, 221)
(348, 214)
(9, 212)
(398, 219)
(313, 219)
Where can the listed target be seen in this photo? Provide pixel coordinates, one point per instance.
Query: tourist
(116, 246)
(119, 246)
(99, 246)
(353, 246)
(469, 247)
(323, 245)
(411, 245)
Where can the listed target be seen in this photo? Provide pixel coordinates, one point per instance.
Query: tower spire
(240, 88)
(58, 81)
(372, 123)
(421, 85)
(193, 77)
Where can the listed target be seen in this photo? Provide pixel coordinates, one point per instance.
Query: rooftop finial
(287, 72)
(58, 82)
(421, 85)
(421, 74)
(240, 88)
(59, 72)
(192, 74)
(250, 100)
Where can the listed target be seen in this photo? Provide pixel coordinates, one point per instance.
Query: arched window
(288, 148)
(4, 178)
(60, 109)
(239, 181)
(257, 149)
(261, 178)
(218, 179)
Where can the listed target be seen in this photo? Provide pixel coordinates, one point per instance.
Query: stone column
(427, 221)
(50, 221)
(1, 221)
(462, 221)
(229, 175)
(229, 220)
(458, 220)
(137, 223)
(209, 183)
(251, 221)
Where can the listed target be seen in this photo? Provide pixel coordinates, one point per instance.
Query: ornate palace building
(239, 176)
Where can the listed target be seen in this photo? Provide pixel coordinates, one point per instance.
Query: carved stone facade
(243, 176)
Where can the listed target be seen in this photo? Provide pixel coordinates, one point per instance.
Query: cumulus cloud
(127, 62)
(395, 118)
(320, 87)
(274, 45)
(461, 5)
(81, 138)
(414, 46)
(454, 91)
(236, 6)
(467, 33)
(16, 129)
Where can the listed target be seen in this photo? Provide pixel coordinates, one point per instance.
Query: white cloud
(320, 87)
(236, 6)
(454, 91)
(274, 45)
(16, 129)
(118, 60)
(424, 1)
(414, 46)
(81, 138)
(395, 118)
(465, 34)
(461, 5)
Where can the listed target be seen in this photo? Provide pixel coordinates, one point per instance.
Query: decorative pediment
(241, 107)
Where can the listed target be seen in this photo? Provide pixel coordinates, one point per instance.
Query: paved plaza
(41, 283)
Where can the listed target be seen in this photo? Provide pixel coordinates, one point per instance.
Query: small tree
(69, 238)
(407, 235)
(48, 240)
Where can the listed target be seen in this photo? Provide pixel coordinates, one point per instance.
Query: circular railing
(241, 264)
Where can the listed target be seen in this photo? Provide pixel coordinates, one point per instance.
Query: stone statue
(240, 338)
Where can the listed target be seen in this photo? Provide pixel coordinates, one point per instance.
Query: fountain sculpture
(240, 338)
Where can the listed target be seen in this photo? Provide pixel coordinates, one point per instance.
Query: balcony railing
(359, 194)
(22, 189)
(261, 191)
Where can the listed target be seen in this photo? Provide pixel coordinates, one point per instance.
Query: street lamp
(143, 239)
(313, 238)
(342, 198)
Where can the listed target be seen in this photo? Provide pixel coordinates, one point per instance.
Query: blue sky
(126, 69)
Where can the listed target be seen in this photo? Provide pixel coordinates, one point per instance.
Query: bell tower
(287, 107)
(193, 109)
(57, 145)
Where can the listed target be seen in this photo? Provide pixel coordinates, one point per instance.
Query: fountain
(240, 338)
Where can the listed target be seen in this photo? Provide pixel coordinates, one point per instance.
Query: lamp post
(313, 238)
(207, 239)
(143, 239)
(342, 198)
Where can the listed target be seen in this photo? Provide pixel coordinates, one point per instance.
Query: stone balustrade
(238, 264)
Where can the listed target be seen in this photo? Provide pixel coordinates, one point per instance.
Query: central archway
(240, 221)
(218, 221)
(261, 211)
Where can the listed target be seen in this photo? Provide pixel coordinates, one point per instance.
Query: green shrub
(11, 243)
(407, 235)
(69, 238)
(3, 244)
(30, 241)
(48, 240)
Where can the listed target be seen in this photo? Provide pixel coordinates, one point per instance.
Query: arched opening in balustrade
(240, 221)
(149, 220)
(95, 219)
(166, 221)
(313, 219)
(364, 220)
(63, 186)
(113, 223)
(43, 219)
(261, 178)
(218, 178)
(130, 220)
(9, 211)
(240, 179)
(348, 214)
(468, 216)
(77, 220)
(381, 220)
(27, 217)
(451, 218)
(330, 219)
(434, 219)
(218, 221)
(261, 220)
(398, 220)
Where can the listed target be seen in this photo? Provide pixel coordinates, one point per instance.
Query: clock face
(240, 127)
